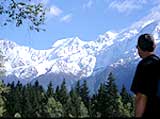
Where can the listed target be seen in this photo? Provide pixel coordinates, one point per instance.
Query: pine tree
(127, 101)
(50, 90)
(39, 100)
(11, 101)
(2, 106)
(78, 109)
(93, 106)
(27, 104)
(113, 99)
(83, 110)
(124, 95)
(101, 101)
(3, 89)
(78, 87)
(66, 108)
(85, 94)
(63, 95)
(14, 103)
(54, 109)
(57, 95)
(64, 98)
(18, 98)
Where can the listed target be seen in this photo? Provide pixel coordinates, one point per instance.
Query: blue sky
(85, 19)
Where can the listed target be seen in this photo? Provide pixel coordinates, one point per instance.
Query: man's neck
(146, 54)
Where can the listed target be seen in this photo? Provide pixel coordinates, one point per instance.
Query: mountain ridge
(74, 59)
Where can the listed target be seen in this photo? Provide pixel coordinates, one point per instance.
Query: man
(145, 82)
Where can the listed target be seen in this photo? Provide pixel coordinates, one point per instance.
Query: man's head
(146, 45)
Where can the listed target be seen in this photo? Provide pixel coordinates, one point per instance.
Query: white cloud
(44, 2)
(127, 6)
(67, 18)
(88, 4)
(55, 11)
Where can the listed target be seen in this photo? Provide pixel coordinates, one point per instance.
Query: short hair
(146, 42)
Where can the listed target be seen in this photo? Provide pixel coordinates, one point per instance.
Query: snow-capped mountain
(75, 59)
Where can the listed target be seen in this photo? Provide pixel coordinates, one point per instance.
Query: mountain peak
(110, 34)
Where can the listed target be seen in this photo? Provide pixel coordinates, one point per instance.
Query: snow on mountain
(74, 59)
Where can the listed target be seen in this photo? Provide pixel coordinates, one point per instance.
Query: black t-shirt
(146, 82)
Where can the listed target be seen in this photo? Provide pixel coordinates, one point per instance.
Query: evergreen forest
(32, 100)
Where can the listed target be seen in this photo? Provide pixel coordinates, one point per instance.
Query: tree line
(17, 100)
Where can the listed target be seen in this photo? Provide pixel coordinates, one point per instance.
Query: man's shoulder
(152, 59)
